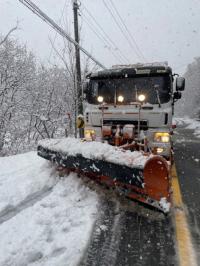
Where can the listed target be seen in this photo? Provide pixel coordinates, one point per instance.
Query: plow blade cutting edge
(149, 184)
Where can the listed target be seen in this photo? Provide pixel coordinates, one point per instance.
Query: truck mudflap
(149, 184)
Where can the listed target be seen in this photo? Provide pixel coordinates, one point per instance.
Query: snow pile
(191, 124)
(165, 205)
(95, 150)
(195, 125)
(44, 226)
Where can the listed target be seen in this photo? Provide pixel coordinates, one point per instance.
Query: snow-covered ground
(191, 124)
(44, 219)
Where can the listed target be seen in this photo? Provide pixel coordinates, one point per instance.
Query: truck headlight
(90, 134)
(100, 99)
(162, 137)
(120, 98)
(141, 97)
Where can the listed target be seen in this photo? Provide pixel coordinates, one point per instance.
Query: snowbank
(95, 150)
(22, 175)
(51, 219)
(191, 124)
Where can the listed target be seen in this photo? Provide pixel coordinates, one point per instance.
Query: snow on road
(44, 219)
(21, 176)
(191, 124)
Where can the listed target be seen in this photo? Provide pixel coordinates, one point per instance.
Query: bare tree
(8, 34)
(67, 57)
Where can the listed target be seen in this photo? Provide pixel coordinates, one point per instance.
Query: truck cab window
(129, 88)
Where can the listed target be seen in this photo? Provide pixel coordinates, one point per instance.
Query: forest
(34, 99)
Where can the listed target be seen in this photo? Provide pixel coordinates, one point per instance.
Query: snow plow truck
(128, 126)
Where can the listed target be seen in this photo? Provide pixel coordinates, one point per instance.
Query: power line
(105, 34)
(31, 6)
(129, 33)
(62, 13)
(100, 36)
(120, 28)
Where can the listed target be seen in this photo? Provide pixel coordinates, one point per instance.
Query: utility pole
(78, 63)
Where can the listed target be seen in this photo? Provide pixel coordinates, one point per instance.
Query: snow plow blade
(148, 183)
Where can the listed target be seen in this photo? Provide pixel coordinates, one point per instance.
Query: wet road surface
(127, 233)
(131, 235)
(187, 157)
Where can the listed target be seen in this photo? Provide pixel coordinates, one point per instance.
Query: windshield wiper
(156, 87)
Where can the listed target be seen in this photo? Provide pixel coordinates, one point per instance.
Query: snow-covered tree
(51, 101)
(34, 99)
(17, 69)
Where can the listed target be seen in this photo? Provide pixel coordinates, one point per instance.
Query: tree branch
(8, 34)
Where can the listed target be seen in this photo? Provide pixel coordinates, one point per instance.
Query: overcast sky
(163, 30)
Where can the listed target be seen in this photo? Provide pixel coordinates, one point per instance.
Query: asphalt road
(127, 233)
(187, 157)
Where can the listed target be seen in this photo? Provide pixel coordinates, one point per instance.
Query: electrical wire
(128, 32)
(121, 29)
(101, 37)
(123, 57)
(31, 6)
(55, 36)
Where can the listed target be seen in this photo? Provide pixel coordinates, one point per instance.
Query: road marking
(186, 253)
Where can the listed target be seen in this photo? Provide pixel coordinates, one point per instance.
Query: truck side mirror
(180, 84)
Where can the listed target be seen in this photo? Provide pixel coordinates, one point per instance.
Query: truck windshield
(155, 89)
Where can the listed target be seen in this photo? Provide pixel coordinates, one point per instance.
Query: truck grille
(112, 122)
